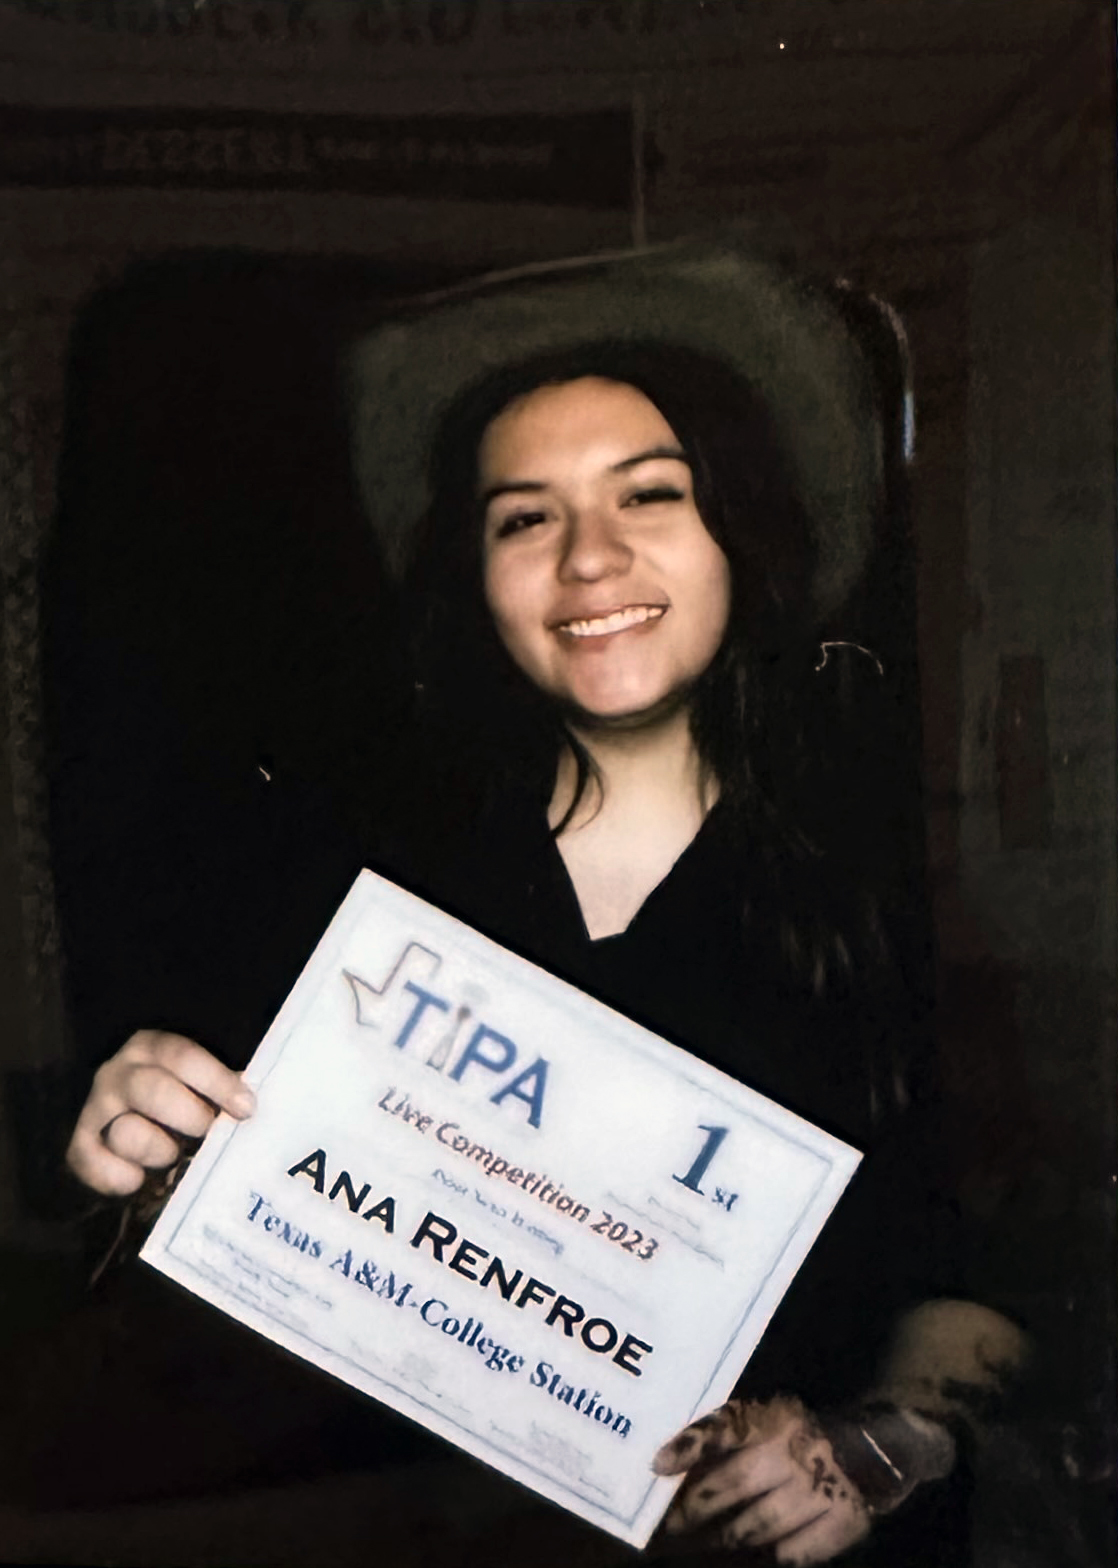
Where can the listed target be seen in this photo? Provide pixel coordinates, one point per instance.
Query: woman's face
(603, 582)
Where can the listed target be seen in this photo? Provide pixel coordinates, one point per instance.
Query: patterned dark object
(888, 1453)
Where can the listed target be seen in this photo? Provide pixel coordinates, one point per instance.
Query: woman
(614, 769)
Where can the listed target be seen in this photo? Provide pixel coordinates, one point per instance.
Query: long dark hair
(752, 711)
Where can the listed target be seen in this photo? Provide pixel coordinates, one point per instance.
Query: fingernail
(243, 1103)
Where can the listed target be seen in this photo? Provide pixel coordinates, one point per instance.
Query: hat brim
(789, 342)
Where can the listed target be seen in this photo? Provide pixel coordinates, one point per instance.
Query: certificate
(499, 1207)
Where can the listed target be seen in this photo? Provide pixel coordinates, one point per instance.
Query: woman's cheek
(508, 597)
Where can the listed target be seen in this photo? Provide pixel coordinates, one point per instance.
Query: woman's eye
(649, 495)
(517, 522)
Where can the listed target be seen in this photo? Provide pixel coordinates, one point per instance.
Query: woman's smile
(604, 584)
(611, 622)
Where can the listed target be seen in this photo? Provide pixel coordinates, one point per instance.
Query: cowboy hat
(788, 340)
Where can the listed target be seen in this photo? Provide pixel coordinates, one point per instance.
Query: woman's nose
(594, 545)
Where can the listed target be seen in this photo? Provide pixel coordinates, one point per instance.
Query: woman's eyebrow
(674, 452)
(519, 486)
(510, 487)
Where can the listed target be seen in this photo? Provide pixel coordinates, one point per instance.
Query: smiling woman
(636, 531)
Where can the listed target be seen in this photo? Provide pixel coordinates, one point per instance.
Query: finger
(815, 1460)
(746, 1474)
(133, 1138)
(98, 1167)
(736, 1480)
(157, 1095)
(832, 1533)
(725, 1429)
(772, 1517)
(201, 1071)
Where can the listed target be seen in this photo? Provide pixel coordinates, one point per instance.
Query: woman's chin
(623, 711)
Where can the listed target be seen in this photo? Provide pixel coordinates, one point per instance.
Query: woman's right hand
(159, 1088)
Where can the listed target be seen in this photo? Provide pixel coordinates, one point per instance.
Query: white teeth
(618, 621)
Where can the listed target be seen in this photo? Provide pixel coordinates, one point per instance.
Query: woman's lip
(607, 623)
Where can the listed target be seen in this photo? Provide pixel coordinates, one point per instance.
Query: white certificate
(499, 1207)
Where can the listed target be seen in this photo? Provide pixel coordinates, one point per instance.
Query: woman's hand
(766, 1476)
(158, 1089)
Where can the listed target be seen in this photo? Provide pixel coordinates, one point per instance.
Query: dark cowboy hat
(790, 342)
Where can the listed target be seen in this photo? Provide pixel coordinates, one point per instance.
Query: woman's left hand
(766, 1476)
